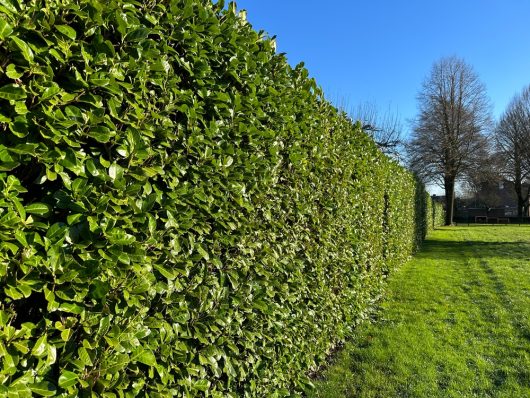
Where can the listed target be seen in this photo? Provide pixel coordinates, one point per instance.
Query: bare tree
(384, 127)
(448, 135)
(512, 137)
(484, 179)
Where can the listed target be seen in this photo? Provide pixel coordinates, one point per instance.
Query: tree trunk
(520, 198)
(520, 206)
(449, 185)
(524, 207)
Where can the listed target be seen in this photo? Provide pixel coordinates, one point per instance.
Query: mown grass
(455, 323)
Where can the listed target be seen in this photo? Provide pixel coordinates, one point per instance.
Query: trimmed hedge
(181, 212)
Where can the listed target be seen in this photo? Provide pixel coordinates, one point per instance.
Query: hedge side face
(181, 212)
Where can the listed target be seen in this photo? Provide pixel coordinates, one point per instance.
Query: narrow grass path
(455, 323)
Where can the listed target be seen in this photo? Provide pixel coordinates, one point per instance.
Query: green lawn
(455, 323)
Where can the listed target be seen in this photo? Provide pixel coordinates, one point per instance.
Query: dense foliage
(181, 212)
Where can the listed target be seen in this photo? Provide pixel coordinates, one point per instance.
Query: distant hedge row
(181, 212)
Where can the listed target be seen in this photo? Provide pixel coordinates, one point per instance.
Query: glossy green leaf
(21, 108)
(201, 385)
(8, 7)
(24, 48)
(40, 209)
(20, 236)
(12, 72)
(12, 92)
(138, 34)
(12, 292)
(203, 252)
(84, 356)
(20, 208)
(67, 379)
(50, 92)
(44, 389)
(146, 357)
(56, 231)
(40, 347)
(99, 133)
(5, 29)
(117, 363)
(67, 31)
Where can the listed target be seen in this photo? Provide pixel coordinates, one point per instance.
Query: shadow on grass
(448, 249)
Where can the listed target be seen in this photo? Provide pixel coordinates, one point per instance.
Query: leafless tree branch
(384, 127)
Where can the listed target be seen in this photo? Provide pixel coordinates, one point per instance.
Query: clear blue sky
(381, 50)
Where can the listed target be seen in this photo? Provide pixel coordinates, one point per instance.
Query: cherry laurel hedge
(181, 212)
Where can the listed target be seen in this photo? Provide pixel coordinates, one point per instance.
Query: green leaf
(54, 53)
(8, 7)
(118, 363)
(38, 208)
(40, 347)
(21, 108)
(71, 307)
(24, 289)
(5, 29)
(120, 237)
(11, 72)
(124, 258)
(24, 149)
(202, 251)
(50, 92)
(21, 346)
(100, 133)
(67, 379)
(12, 92)
(146, 357)
(4, 119)
(104, 162)
(202, 385)
(67, 31)
(167, 273)
(91, 167)
(20, 208)
(21, 238)
(115, 171)
(74, 218)
(137, 34)
(84, 356)
(24, 48)
(44, 389)
(13, 293)
(19, 389)
(56, 231)
(4, 318)
(99, 81)
(66, 334)
(98, 289)
(11, 247)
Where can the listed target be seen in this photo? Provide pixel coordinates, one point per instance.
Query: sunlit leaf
(67, 31)
(12, 92)
(5, 29)
(67, 379)
(44, 389)
(24, 48)
(40, 209)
